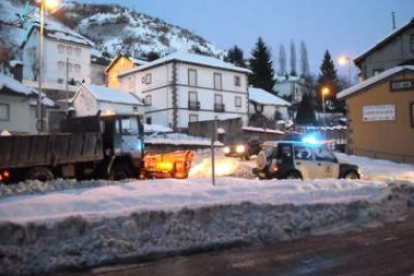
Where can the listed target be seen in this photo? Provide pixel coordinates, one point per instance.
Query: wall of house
(269, 111)
(57, 54)
(98, 74)
(85, 103)
(391, 140)
(21, 116)
(288, 88)
(122, 64)
(389, 56)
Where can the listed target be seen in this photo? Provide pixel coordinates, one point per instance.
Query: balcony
(193, 105)
(219, 107)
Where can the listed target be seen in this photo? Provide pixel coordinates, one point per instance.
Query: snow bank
(79, 241)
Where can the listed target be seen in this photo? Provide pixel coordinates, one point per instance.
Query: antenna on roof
(393, 20)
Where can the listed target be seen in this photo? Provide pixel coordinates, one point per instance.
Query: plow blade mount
(168, 165)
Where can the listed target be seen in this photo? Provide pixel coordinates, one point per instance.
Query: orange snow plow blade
(168, 165)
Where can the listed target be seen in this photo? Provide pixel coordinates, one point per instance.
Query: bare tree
(282, 60)
(293, 71)
(304, 61)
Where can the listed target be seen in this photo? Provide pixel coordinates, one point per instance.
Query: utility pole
(393, 21)
(67, 85)
(213, 140)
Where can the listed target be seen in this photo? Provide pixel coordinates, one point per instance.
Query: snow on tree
(282, 60)
(235, 55)
(304, 61)
(293, 71)
(262, 67)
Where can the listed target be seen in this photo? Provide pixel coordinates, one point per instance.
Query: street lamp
(345, 60)
(325, 91)
(45, 5)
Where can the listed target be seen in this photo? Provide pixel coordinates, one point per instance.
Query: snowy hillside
(113, 29)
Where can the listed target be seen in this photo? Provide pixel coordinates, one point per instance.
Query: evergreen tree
(304, 62)
(293, 71)
(261, 65)
(328, 78)
(235, 55)
(306, 112)
(151, 56)
(282, 60)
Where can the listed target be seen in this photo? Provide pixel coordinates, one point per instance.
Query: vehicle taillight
(4, 175)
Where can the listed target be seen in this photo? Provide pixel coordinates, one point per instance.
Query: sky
(343, 27)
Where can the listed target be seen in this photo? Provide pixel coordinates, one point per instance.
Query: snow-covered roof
(261, 96)
(365, 84)
(265, 130)
(188, 58)
(58, 31)
(383, 42)
(106, 94)
(18, 88)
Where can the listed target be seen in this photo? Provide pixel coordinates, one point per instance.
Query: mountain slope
(113, 29)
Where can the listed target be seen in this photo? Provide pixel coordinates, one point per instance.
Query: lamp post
(44, 5)
(345, 60)
(324, 91)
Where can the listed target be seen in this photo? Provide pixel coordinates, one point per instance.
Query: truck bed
(50, 149)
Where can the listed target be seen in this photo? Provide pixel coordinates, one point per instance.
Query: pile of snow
(94, 226)
(379, 169)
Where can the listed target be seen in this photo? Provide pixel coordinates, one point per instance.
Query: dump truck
(94, 147)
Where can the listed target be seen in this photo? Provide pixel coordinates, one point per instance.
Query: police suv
(300, 160)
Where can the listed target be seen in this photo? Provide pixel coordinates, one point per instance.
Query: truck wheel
(293, 175)
(120, 172)
(40, 173)
(351, 175)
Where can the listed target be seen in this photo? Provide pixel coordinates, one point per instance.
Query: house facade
(289, 87)
(89, 99)
(119, 64)
(396, 49)
(66, 60)
(18, 106)
(381, 115)
(267, 104)
(182, 88)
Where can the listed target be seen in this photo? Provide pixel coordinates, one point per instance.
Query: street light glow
(344, 60)
(51, 4)
(325, 91)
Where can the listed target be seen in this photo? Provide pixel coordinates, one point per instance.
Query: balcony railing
(219, 107)
(193, 105)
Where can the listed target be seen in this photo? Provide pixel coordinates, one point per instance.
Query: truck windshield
(129, 126)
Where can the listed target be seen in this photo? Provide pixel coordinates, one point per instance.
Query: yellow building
(119, 64)
(381, 115)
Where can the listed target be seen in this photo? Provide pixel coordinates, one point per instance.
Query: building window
(61, 66)
(135, 108)
(193, 103)
(218, 103)
(412, 114)
(131, 83)
(78, 51)
(217, 81)
(238, 101)
(70, 66)
(148, 79)
(401, 85)
(412, 42)
(77, 68)
(4, 112)
(236, 80)
(69, 49)
(193, 118)
(377, 71)
(148, 100)
(192, 77)
(148, 120)
(60, 81)
(61, 48)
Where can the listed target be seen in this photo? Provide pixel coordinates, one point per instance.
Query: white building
(289, 87)
(18, 106)
(89, 99)
(267, 103)
(66, 60)
(182, 87)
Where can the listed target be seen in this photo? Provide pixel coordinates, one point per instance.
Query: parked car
(243, 147)
(300, 160)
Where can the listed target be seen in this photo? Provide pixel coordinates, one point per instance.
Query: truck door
(327, 164)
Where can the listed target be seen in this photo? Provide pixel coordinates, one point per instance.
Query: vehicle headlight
(226, 150)
(240, 149)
